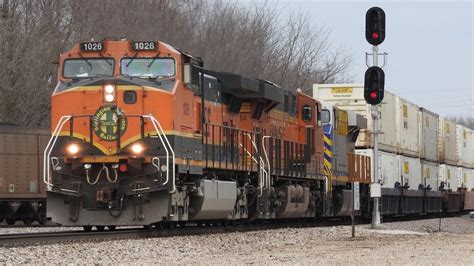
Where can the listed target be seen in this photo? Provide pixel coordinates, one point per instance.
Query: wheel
(87, 228)
(27, 221)
(10, 221)
(147, 227)
(111, 227)
(100, 228)
(161, 225)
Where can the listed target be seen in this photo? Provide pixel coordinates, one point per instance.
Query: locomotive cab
(111, 105)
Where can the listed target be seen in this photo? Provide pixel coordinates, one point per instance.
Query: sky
(429, 44)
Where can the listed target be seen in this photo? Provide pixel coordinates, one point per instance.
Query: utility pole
(374, 83)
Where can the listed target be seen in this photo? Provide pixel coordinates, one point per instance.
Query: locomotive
(143, 134)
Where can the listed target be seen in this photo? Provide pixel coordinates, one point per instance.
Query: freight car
(143, 134)
(22, 191)
(426, 161)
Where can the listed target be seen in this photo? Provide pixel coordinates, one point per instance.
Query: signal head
(375, 25)
(374, 85)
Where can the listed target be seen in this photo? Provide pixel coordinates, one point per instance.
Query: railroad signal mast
(374, 83)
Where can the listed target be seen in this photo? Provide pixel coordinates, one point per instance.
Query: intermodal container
(430, 175)
(351, 97)
(410, 171)
(429, 127)
(448, 150)
(389, 169)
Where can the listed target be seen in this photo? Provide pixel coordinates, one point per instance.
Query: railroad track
(140, 233)
(189, 230)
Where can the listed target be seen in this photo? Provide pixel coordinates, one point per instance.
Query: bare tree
(250, 40)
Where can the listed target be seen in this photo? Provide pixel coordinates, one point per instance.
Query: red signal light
(123, 167)
(373, 95)
(375, 35)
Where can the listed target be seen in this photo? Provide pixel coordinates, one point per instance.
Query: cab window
(148, 67)
(88, 68)
(306, 113)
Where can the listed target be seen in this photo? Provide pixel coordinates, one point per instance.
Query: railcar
(143, 134)
(425, 161)
(22, 192)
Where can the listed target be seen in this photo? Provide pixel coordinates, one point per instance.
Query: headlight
(73, 149)
(109, 89)
(137, 148)
(109, 93)
(109, 98)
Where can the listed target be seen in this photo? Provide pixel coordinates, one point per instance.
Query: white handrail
(268, 161)
(159, 129)
(262, 172)
(49, 149)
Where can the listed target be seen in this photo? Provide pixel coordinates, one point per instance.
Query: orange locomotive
(142, 134)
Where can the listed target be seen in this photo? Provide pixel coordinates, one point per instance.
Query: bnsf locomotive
(142, 134)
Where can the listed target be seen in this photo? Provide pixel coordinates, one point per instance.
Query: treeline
(248, 39)
(467, 121)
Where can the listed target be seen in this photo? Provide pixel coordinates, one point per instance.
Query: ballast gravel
(410, 242)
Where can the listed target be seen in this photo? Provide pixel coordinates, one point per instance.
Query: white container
(465, 146)
(430, 175)
(448, 149)
(469, 161)
(468, 178)
(448, 175)
(429, 127)
(389, 169)
(410, 171)
(408, 127)
(351, 97)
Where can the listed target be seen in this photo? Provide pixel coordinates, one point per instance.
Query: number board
(143, 46)
(92, 47)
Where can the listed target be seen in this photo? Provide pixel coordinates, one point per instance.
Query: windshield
(148, 67)
(86, 68)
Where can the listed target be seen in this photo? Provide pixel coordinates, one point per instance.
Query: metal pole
(352, 212)
(375, 116)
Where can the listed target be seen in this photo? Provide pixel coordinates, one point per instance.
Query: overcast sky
(430, 46)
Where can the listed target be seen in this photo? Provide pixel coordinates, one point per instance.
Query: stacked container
(430, 174)
(407, 127)
(417, 148)
(465, 146)
(389, 166)
(410, 170)
(469, 179)
(351, 97)
(428, 140)
(448, 148)
(429, 126)
(448, 174)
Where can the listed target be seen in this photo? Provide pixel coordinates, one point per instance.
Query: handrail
(160, 131)
(49, 149)
(268, 161)
(262, 172)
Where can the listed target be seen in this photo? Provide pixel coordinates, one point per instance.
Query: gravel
(394, 244)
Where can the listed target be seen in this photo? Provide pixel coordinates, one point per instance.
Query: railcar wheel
(100, 228)
(10, 221)
(27, 221)
(147, 227)
(87, 228)
(111, 227)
